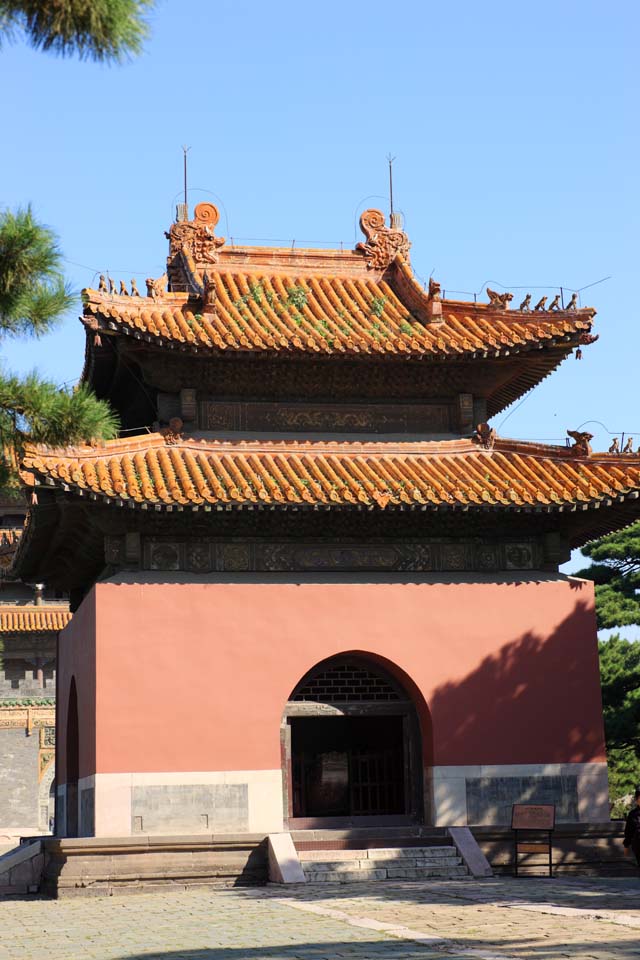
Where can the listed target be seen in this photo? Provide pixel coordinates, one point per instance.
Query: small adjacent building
(30, 620)
(311, 584)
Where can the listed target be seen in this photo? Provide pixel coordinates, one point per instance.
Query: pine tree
(616, 573)
(33, 298)
(620, 679)
(102, 30)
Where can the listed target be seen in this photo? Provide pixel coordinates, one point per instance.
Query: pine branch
(108, 31)
(46, 414)
(34, 409)
(33, 294)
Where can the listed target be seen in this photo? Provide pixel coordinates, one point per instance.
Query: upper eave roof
(306, 312)
(150, 473)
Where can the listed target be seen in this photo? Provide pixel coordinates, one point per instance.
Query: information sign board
(531, 822)
(530, 816)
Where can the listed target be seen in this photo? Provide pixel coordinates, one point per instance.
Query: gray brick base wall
(489, 799)
(192, 808)
(19, 806)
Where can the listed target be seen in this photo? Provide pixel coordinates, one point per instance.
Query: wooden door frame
(413, 765)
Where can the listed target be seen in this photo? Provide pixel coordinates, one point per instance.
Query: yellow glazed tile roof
(33, 619)
(204, 473)
(330, 315)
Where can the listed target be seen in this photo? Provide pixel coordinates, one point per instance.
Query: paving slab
(491, 919)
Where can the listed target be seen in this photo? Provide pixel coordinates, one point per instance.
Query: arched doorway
(73, 762)
(351, 747)
(46, 798)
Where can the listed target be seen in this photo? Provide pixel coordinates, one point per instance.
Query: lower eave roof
(161, 473)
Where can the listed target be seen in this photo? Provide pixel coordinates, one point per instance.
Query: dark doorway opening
(73, 762)
(351, 748)
(348, 766)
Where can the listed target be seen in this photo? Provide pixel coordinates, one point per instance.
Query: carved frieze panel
(234, 557)
(47, 749)
(518, 556)
(219, 416)
(45, 758)
(465, 412)
(199, 557)
(455, 556)
(47, 737)
(338, 418)
(323, 557)
(202, 555)
(488, 559)
(114, 551)
(306, 378)
(166, 556)
(27, 716)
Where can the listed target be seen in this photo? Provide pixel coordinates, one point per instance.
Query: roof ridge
(410, 446)
(92, 297)
(509, 445)
(46, 605)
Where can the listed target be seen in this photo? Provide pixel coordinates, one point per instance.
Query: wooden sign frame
(529, 822)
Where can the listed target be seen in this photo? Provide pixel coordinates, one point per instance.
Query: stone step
(363, 834)
(388, 872)
(378, 853)
(382, 863)
(346, 866)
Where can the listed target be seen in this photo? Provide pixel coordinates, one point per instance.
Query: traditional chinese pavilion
(311, 585)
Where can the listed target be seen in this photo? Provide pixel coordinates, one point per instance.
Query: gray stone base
(106, 866)
(21, 869)
(484, 794)
(578, 848)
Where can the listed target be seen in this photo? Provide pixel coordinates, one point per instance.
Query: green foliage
(297, 297)
(32, 408)
(29, 702)
(377, 306)
(33, 298)
(624, 777)
(33, 294)
(620, 680)
(102, 30)
(616, 574)
(256, 292)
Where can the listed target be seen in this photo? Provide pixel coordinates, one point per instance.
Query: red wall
(77, 657)
(195, 676)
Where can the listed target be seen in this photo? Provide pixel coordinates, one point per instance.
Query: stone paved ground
(527, 919)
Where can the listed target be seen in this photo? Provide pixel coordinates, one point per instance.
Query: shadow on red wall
(538, 697)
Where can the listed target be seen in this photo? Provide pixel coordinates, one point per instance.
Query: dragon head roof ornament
(383, 243)
(195, 238)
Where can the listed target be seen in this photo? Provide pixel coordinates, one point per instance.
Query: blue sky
(515, 128)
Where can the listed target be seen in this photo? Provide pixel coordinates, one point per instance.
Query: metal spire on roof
(182, 212)
(390, 160)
